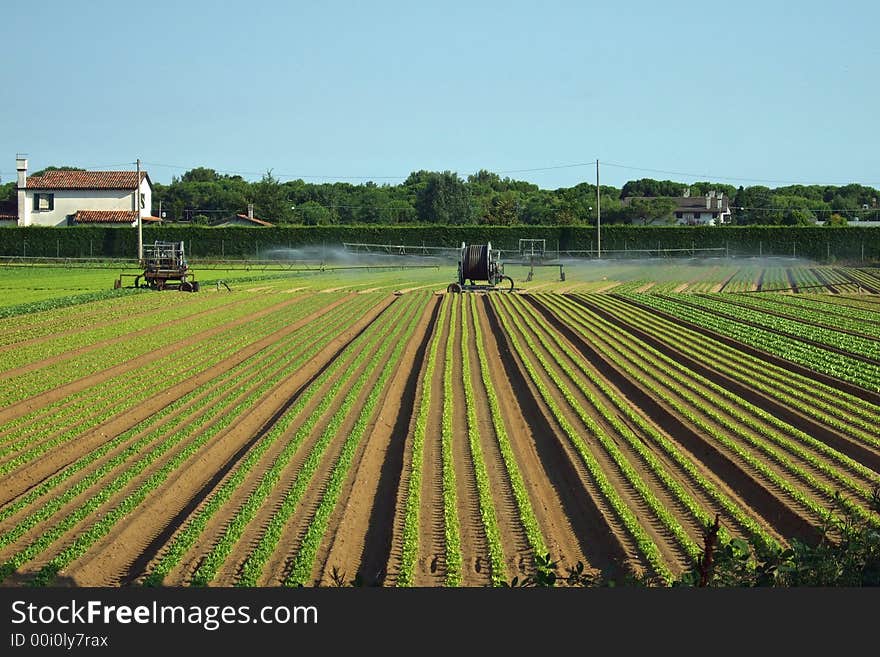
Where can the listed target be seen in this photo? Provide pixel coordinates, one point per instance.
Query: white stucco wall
(68, 201)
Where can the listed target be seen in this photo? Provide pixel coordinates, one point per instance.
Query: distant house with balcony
(68, 198)
(711, 209)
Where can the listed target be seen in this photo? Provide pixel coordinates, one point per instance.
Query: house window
(678, 215)
(44, 202)
(714, 215)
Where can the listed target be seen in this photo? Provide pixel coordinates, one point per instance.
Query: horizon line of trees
(444, 198)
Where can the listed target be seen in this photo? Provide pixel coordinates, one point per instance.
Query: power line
(709, 176)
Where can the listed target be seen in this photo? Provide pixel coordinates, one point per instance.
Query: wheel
(454, 288)
(195, 286)
(186, 287)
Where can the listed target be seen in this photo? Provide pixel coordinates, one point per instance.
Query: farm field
(310, 428)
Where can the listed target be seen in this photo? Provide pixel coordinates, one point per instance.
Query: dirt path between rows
(112, 559)
(23, 478)
(362, 537)
(573, 521)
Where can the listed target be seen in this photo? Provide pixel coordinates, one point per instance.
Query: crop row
(69, 369)
(789, 327)
(484, 492)
(735, 415)
(645, 544)
(196, 424)
(811, 356)
(412, 504)
(125, 391)
(349, 363)
(524, 507)
(304, 560)
(852, 415)
(580, 323)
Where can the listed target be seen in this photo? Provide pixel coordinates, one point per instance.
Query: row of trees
(443, 197)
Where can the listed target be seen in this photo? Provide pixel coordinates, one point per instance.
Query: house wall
(68, 201)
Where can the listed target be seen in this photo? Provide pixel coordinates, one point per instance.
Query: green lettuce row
(744, 454)
(852, 415)
(410, 543)
(304, 561)
(124, 391)
(487, 510)
(620, 460)
(226, 414)
(645, 545)
(520, 494)
(452, 530)
(196, 524)
(349, 363)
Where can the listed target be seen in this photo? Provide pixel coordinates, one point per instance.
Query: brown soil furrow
(649, 326)
(475, 569)
(848, 445)
(402, 439)
(216, 526)
(763, 498)
(277, 567)
(513, 537)
(23, 478)
(177, 419)
(185, 490)
(430, 568)
(361, 535)
(673, 553)
(602, 541)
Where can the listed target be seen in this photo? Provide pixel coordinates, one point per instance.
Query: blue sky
(766, 92)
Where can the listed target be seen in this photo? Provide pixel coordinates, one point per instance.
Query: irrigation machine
(164, 268)
(479, 262)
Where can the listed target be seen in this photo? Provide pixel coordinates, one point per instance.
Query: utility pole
(598, 215)
(137, 207)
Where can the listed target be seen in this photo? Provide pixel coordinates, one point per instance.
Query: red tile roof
(259, 222)
(85, 180)
(105, 217)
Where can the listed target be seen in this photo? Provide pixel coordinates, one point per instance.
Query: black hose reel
(478, 262)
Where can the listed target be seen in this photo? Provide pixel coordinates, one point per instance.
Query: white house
(711, 209)
(63, 198)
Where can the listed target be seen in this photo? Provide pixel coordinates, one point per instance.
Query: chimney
(708, 202)
(21, 166)
(250, 211)
(24, 215)
(720, 196)
(687, 192)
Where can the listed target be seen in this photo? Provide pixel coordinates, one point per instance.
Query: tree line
(202, 195)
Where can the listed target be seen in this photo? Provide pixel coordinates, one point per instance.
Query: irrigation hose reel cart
(165, 267)
(479, 262)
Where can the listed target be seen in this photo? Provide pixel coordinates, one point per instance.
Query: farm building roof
(243, 219)
(109, 217)
(86, 180)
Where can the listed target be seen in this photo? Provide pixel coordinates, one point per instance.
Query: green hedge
(820, 243)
